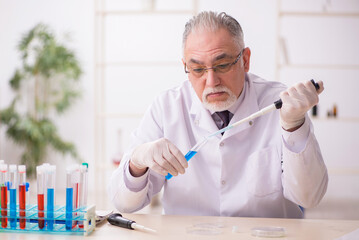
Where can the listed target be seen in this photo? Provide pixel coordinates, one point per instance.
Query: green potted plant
(45, 86)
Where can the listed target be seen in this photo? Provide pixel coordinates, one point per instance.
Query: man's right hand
(161, 156)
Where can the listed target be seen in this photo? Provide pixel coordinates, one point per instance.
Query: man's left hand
(297, 100)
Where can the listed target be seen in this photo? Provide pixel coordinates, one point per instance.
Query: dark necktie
(224, 116)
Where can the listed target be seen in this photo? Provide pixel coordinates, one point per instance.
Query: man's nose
(212, 79)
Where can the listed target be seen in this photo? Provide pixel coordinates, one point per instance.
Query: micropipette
(117, 220)
(263, 111)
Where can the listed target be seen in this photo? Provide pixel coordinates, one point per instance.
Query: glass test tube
(76, 185)
(40, 175)
(1, 162)
(69, 197)
(12, 188)
(3, 181)
(51, 178)
(22, 196)
(83, 189)
(75, 179)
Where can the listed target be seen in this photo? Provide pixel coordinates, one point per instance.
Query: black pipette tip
(278, 104)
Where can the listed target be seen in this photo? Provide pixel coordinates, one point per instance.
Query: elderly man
(269, 167)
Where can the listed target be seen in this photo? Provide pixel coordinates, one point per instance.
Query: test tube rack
(86, 216)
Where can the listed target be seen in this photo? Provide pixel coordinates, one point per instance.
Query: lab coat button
(250, 123)
(221, 144)
(223, 182)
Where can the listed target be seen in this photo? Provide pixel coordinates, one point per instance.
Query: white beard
(221, 105)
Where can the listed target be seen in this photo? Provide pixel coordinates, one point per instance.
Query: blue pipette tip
(188, 156)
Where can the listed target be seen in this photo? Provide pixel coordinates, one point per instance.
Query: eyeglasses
(220, 68)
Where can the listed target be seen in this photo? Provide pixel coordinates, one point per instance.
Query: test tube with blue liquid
(3, 181)
(50, 180)
(69, 197)
(12, 189)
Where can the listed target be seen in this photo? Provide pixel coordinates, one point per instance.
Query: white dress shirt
(254, 170)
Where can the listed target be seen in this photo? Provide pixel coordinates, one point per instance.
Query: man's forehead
(220, 56)
(214, 44)
(219, 35)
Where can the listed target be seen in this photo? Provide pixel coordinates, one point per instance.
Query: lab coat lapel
(248, 106)
(201, 117)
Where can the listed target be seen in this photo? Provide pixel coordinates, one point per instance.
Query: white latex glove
(297, 100)
(161, 156)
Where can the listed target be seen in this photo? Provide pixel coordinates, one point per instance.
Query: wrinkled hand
(297, 100)
(161, 156)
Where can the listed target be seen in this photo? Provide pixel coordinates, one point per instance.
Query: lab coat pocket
(264, 172)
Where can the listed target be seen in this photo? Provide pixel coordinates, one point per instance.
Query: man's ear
(246, 59)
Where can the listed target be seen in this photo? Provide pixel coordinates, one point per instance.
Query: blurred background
(130, 51)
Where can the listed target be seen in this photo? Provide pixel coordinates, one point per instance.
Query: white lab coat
(248, 172)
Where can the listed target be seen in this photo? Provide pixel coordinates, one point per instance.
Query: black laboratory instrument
(117, 220)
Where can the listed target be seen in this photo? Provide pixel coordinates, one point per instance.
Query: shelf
(119, 115)
(322, 66)
(335, 119)
(319, 14)
(106, 166)
(147, 12)
(354, 171)
(142, 63)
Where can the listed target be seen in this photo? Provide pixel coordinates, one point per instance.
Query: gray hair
(214, 21)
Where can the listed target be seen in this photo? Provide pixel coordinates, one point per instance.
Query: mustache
(221, 105)
(208, 91)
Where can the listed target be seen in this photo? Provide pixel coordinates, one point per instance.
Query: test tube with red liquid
(3, 180)
(40, 175)
(22, 196)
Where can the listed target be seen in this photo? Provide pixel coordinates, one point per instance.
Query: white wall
(75, 18)
(258, 20)
(151, 39)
